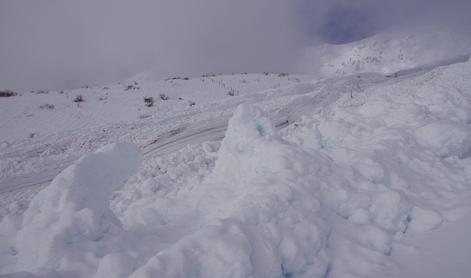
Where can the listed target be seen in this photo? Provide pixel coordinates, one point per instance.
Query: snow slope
(71, 216)
(43, 132)
(388, 53)
(329, 178)
(440, 253)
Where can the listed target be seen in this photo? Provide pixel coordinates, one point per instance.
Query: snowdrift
(69, 224)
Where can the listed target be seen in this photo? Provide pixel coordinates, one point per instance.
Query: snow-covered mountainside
(246, 175)
(388, 53)
(42, 132)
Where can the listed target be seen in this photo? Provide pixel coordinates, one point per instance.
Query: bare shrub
(232, 92)
(149, 101)
(47, 106)
(132, 87)
(7, 93)
(78, 99)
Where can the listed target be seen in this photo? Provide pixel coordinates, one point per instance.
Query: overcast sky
(54, 44)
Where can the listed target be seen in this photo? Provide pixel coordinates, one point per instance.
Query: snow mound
(68, 223)
(400, 161)
(424, 220)
(446, 139)
(259, 211)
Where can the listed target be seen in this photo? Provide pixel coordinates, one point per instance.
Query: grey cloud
(56, 44)
(68, 43)
(360, 18)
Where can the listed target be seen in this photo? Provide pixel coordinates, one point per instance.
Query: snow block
(388, 211)
(248, 123)
(66, 224)
(252, 148)
(422, 220)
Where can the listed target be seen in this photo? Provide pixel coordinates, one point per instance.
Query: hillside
(388, 53)
(244, 175)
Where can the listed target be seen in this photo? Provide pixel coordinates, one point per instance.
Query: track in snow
(307, 98)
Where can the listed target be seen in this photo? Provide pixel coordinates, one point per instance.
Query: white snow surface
(388, 52)
(71, 219)
(330, 178)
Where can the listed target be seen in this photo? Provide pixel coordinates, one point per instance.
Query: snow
(439, 253)
(446, 139)
(389, 53)
(70, 219)
(115, 265)
(351, 176)
(249, 204)
(422, 220)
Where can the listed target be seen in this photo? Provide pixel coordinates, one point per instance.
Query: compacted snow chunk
(68, 223)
